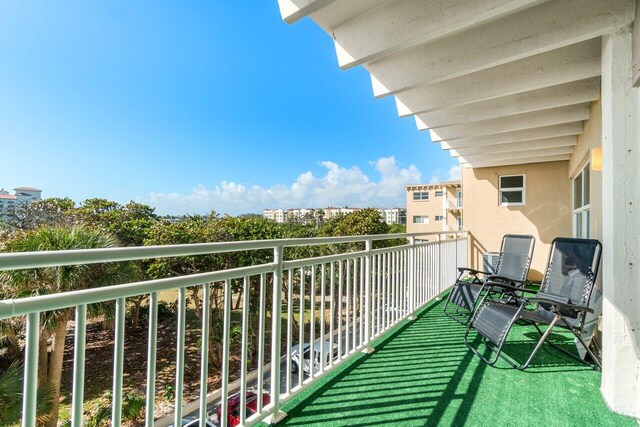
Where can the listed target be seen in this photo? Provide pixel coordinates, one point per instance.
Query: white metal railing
(454, 204)
(369, 291)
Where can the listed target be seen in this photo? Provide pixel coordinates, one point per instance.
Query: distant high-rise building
(310, 215)
(21, 195)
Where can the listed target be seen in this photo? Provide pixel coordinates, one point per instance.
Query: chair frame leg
(498, 351)
(543, 338)
(568, 353)
(463, 319)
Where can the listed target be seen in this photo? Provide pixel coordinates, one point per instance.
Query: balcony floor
(423, 374)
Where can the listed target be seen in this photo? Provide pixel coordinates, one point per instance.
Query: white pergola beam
(536, 100)
(341, 11)
(402, 24)
(293, 10)
(515, 136)
(565, 65)
(542, 159)
(553, 116)
(562, 141)
(532, 31)
(525, 154)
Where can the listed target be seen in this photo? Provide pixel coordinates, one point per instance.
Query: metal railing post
(79, 345)
(412, 278)
(439, 264)
(204, 353)
(118, 363)
(367, 297)
(455, 238)
(180, 344)
(226, 346)
(30, 382)
(276, 328)
(151, 359)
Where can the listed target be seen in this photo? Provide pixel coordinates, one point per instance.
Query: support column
(621, 227)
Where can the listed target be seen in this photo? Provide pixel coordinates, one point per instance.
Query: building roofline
(436, 184)
(27, 189)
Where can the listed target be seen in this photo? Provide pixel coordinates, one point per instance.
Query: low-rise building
(276, 215)
(434, 207)
(305, 215)
(20, 196)
(394, 215)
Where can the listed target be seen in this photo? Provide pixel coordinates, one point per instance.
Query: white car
(196, 423)
(306, 367)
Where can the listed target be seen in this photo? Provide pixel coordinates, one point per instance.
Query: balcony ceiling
(494, 82)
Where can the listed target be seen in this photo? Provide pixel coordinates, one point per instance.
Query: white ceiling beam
(517, 154)
(561, 141)
(402, 24)
(532, 31)
(536, 100)
(552, 116)
(293, 10)
(543, 159)
(565, 65)
(341, 11)
(515, 136)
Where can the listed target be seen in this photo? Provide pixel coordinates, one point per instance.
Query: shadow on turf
(400, 391)
(358, 407)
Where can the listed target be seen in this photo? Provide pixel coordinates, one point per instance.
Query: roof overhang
(495, 82)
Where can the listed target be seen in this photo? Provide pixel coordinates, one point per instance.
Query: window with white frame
(421, 219)
(419, 196)
(439, 193)
(581, 201)
(512, 190)
(439, 218)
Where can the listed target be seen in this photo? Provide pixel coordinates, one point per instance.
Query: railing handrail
(21, 306)
(39, 303)
(24, 260)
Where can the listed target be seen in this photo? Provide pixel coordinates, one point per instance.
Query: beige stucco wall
(546, 214)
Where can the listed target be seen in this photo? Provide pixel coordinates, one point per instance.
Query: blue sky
(193, 106)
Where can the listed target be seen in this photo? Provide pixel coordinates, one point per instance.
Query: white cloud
(339, 186)
(454, 173)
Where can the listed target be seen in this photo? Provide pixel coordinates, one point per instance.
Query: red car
(233, 418)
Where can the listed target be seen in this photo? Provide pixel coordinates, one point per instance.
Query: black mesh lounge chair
(563, 300)
(512, 267)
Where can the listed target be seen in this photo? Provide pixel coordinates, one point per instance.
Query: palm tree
(319, 214)
(51, 280)
(11, 396)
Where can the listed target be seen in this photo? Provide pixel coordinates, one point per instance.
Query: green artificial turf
(422, 374)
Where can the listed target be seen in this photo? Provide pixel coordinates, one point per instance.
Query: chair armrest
(472, 270)
(507, 286)
(549, 299)
(494, 277)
